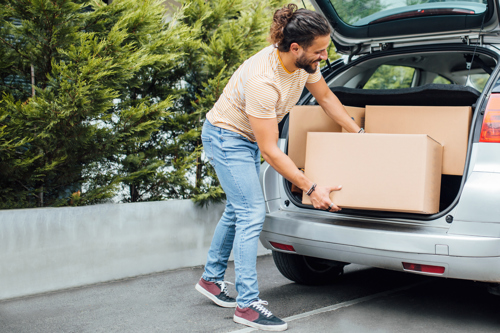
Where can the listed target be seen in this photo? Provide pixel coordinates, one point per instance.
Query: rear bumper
(385, 245)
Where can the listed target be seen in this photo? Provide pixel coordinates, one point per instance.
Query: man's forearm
(335, 110)
(285, 166)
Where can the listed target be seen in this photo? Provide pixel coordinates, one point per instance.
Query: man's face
(308, 59)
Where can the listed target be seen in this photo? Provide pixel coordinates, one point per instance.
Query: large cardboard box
(312, 118)
(390, 172)
(448, 125)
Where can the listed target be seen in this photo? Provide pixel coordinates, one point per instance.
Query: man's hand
(320, 198)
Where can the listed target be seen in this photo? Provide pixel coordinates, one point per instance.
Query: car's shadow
(431, 303)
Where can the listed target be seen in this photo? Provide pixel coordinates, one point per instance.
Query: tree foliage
(391, 77)
(103, 99)
(69, 130)
(351, 11)
(226, 33)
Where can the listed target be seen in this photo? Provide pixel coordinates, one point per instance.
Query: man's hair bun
(293, 25)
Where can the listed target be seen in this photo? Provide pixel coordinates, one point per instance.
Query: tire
(308, 270)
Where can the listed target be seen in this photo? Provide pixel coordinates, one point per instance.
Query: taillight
(285, 247)
(423, 268)
(490, 131)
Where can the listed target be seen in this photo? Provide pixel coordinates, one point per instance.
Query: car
(403, 53)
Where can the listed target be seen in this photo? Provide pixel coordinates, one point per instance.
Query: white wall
(46, 249)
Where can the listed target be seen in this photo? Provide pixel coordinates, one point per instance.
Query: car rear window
(478, 81)
(441, 80)
(365, 12)
(390, 77)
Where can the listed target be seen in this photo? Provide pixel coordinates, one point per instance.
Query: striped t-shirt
(261, 87)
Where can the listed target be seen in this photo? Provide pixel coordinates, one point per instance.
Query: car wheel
(308, 270)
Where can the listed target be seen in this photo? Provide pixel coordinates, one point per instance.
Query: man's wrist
(311, 190)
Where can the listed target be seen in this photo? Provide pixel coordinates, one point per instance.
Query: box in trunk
(448, 125)
(357, 114)
(312, 118)
(390, 172)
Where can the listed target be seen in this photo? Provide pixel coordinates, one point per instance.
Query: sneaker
(217, 292)
(257, 316)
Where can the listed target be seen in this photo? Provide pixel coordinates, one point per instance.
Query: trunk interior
(428, 95)
(353, 92)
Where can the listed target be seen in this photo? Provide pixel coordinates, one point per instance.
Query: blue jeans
(236, 161)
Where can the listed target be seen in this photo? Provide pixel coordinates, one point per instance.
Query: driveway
(364, 300)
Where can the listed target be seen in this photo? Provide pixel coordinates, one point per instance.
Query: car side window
(390, 77)
(478, 81)
(441, 80)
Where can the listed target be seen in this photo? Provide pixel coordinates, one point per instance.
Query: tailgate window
(365, 12)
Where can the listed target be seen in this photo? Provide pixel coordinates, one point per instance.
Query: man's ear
(294, 48)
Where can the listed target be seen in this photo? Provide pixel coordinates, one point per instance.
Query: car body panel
(480, 198)
(486, 157)
(484, 268)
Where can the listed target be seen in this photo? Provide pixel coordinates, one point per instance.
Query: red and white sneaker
(257, 316)
(217, 292)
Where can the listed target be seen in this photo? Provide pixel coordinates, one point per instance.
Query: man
(242, 125)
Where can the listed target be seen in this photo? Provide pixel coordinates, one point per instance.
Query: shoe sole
(215, 299)
(274, 328)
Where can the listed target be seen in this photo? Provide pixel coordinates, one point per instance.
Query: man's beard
(306, 64)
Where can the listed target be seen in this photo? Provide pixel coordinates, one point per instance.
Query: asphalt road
(364, 300)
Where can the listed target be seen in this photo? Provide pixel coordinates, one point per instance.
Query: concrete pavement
(364, 300)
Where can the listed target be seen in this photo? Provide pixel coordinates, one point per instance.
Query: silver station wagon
(401, 53)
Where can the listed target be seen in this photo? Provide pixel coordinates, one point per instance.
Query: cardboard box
(312, 118)
(448, 125)
(357, 114)
(389, 172)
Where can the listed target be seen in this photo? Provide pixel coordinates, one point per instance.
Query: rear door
(364, 26)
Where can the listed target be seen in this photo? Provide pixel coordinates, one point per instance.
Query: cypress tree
(227, 32)
(144, 165)
(99, 99)
(66, 74)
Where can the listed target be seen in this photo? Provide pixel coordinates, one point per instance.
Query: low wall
(46, 249)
